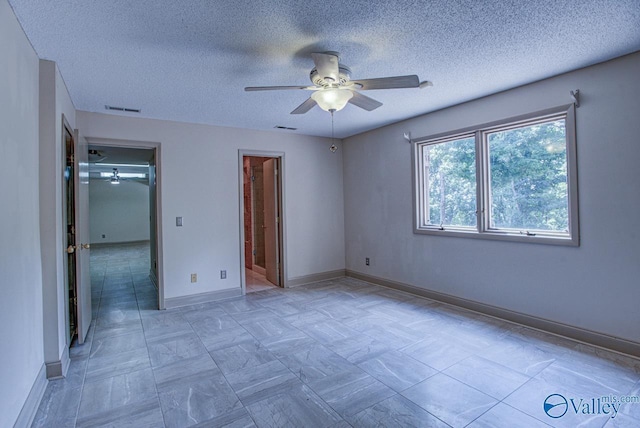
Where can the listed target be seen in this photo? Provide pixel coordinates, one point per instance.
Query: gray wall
(21, 323)
(199, 180)
(54, 103)
(119, 211)
(595, 286)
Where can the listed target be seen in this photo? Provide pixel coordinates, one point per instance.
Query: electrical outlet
(194, 277)
(366, 261)
(223, 274)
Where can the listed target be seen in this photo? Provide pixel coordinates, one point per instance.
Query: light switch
(178, 221)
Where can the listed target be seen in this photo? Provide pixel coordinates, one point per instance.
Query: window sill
(500, 236)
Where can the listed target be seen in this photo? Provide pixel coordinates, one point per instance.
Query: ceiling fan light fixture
(332, 98)
(115, 178)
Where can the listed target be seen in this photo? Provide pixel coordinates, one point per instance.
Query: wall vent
(285, 128)
(124, 109)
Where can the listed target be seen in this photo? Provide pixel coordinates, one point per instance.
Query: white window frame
(483, 200)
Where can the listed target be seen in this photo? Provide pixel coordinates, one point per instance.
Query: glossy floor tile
(330, 354)
(256, 281)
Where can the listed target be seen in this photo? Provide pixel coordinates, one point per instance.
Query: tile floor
(331, 354)
(256, 282)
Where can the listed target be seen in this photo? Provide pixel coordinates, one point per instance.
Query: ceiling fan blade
(395, 82)
(364, 101)
(327, 66)
(305, 106)
(273, 88)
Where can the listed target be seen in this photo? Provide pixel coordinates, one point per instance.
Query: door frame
(282, 233)
(84, 313)
(157, 147)
(66, 196)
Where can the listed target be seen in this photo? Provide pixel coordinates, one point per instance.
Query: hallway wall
(120, 212)
(54, 103)
(199, 180)
(21, 323)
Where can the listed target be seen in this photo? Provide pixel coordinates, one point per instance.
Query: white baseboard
(194, 299)
(575, 333)
(117, 243)
(58, 369)
(30, 407)
(315, 277)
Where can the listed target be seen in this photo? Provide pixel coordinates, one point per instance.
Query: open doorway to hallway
(123, 231)
(121, 287)
(262, 222)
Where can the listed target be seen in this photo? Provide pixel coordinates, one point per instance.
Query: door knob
(85, 246)
(71, 249)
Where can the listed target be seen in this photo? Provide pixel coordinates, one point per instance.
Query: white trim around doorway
(157, 147)
(283, 223)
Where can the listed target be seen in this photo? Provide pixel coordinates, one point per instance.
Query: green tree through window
(510, 180)
(528, 177)
(451, 171)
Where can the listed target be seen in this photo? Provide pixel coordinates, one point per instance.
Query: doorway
(262, 222)
(124, 223)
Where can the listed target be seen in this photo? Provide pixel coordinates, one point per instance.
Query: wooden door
(271, 221)
(71, 240)
(153, 221)
(83, 277)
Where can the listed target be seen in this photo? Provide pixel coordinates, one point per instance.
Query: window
(513, 180)
(450, 171)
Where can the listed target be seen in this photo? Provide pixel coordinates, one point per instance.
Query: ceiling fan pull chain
(333, 147)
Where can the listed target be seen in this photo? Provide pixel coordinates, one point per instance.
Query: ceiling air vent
(285, 128)
(124, 109)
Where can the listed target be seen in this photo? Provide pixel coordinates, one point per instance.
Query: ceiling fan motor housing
(333, 89)
(344, 74)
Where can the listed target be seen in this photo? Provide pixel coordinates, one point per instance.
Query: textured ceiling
(190, 60)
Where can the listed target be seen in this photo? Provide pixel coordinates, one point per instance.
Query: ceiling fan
(333, 87)
(115, 177)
